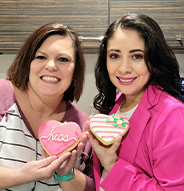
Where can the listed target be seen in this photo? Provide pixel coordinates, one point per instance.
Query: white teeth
(50, 79)
(126, 80)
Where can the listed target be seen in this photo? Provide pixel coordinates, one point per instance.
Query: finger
(91, 137)
(89, 118)
(70, 162)
(79, 150)
(94, 142)
(61, 159)
(84, 138)
(87, 126)
(116, 143)
(46, 161)
(72, 159)
(60, 162)
(85, 133)
(43, 153)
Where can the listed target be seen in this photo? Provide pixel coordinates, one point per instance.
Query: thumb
(87, 126)
(116, 143)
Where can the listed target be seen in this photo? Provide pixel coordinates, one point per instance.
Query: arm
(80, 181)
(125, 176)
(30, 172)
(85, 165)
(164, 145)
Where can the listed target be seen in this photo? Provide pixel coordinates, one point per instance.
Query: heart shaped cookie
(58, 138)
(107, 127)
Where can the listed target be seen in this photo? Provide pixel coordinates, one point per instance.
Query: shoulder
(167, 116)
(5, 87)
(168, 119)
(4, 83)
(167, 110)
(157, 97)
(172, 110)
(161, 107)
(6, 91)
(6, 95)
(168, 102)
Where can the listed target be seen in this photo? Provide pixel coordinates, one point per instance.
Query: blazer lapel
(131, 140)
(138, 123)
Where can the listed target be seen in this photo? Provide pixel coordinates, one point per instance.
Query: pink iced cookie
(58, 138)
(107, 127)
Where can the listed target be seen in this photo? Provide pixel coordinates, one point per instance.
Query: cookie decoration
(58, 138)
(107, 128)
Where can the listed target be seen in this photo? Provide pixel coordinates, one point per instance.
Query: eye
(138, 56)
(114, 56)
(63, 59)
(40, 57)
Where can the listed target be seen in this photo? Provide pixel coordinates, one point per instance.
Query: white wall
(5, 62)
(180, 58)
(89, 88)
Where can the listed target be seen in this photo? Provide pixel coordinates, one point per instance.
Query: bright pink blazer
(151, 154)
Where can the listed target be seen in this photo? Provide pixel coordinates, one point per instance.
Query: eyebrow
(131, 51)
(116, 50)
(136, 50)
(38, 51)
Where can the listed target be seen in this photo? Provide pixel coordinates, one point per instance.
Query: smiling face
(52, 69)
(125, 62)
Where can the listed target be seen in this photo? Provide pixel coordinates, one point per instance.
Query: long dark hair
(159, 58)
(18, 72)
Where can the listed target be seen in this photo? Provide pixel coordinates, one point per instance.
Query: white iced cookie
(107, 128)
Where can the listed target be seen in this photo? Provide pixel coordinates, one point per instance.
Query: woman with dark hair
(137, 76)
(46, 75)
